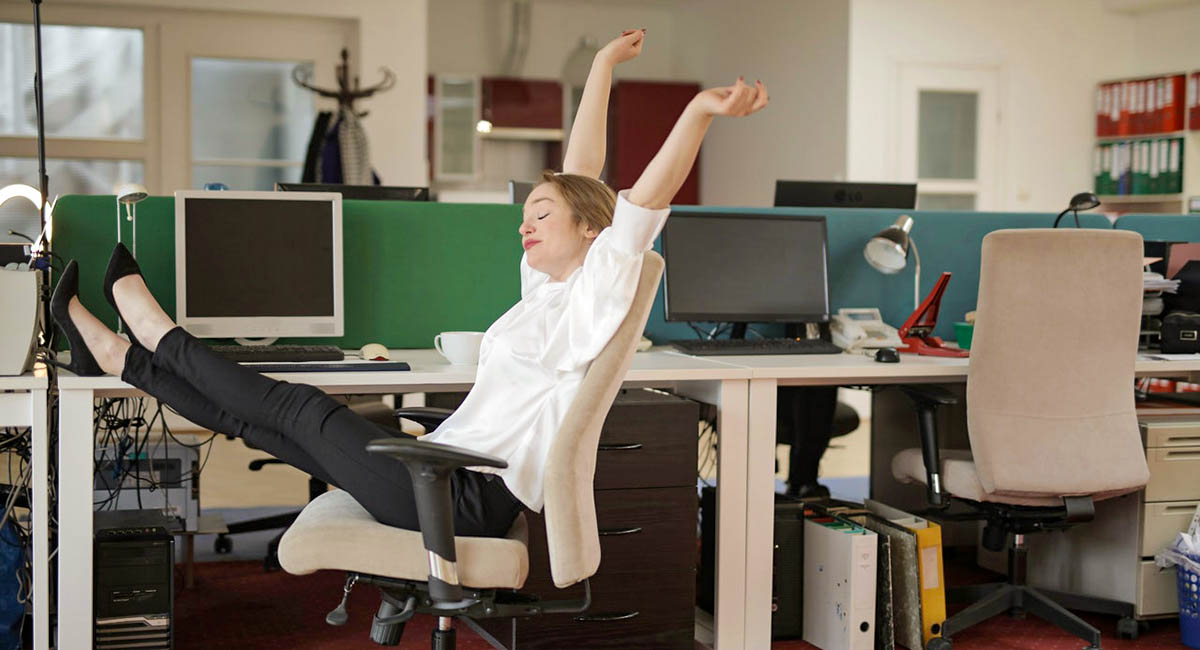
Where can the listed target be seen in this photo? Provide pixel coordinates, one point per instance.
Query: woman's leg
(173, 391)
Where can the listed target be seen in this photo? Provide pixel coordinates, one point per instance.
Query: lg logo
(844, 196)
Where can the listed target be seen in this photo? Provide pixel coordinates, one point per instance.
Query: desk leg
(75, 460)
(41, 519)
(760, 511)
(730, 397)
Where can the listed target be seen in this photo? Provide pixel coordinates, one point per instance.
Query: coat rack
(345, 94)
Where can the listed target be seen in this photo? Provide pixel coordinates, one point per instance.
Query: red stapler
(917, 331)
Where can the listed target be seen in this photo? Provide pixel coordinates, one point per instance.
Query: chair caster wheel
(386, 634)
(1130, 628)
(938, 643)
(442, 639)
(223, 545)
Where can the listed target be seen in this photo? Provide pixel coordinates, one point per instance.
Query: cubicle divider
(1162, 227)
(415, 269)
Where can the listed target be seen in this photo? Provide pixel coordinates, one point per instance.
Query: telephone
(855, 328)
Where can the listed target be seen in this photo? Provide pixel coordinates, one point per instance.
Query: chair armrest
(926, 399)
(430, 465)
(426, 416)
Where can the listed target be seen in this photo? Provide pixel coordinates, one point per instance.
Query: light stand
(1081, 201)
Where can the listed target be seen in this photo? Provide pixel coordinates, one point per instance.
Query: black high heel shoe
(82, 361)
(120, 264)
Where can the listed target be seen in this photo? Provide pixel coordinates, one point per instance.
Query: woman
(583, 249)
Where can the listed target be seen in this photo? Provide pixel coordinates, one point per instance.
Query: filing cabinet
(644, 593)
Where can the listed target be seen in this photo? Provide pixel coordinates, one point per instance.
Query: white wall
(390, 33)
(798, 49)
(1167, 41)
(1050, 56)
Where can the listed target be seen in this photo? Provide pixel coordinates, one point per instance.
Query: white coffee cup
(459, 348)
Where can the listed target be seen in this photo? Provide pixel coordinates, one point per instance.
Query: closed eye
(543, 216)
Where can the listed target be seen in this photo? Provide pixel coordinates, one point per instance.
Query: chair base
(1004, 598)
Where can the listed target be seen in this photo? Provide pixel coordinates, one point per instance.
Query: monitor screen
(518, 191)
(360, 192)
(746, 268)
(822, 194)
(253, 264)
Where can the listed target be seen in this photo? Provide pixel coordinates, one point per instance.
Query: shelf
(1140, 198)
(1142, 136)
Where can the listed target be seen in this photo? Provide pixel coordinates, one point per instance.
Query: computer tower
(134, 564)
(787, 583)
(163, 476)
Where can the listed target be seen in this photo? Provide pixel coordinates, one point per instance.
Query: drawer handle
(1182, 440)
(1184, 509)
(620, 446)
(621, 531)
(1183, 455)
(602, 618)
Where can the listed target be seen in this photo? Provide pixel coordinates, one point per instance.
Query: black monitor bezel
(350, 191)
(742, 317)
(889, 191)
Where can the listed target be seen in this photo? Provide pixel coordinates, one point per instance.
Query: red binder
(1194, 101)
(1126, 97)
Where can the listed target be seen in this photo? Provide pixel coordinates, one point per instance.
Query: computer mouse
(887, 355)
(375, 352)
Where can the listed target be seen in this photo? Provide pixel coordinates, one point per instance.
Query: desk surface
(23, 382)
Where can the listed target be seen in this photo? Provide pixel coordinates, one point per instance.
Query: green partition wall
(411, 269)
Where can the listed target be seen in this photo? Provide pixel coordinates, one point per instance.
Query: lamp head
(887, 251)
(130, 193)
(1084, 201)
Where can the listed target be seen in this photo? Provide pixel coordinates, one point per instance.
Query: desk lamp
(887, 252)
(129, 195)
(1081, 201)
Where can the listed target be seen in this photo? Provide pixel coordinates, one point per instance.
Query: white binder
(839, 586)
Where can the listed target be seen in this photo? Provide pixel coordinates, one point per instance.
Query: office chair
(1050, 408)
(433, 572)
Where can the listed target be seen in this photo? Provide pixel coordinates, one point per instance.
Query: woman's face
(555, 241)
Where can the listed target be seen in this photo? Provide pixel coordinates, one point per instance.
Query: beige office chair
(1050, 406)
(432, 571)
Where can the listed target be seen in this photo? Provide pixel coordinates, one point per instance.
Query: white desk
(768, 372)
(23, 404)
(713, 382)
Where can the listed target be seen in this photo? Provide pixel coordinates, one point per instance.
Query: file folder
(839, 585)
(930, 578)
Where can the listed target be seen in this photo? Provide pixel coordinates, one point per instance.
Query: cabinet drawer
(1171, 434)
(1162, 521)
(649, 530)
(1174, 474)
(648, 611)
(1158, 592)
(648, 440)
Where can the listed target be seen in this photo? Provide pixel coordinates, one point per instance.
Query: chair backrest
(570, 508)
(1050, 408)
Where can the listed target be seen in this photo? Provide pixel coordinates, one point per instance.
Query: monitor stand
(791, 330)
(738, 331)
(266, 340)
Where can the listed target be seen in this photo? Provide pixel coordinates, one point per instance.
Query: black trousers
(804, 419)
(306, 428)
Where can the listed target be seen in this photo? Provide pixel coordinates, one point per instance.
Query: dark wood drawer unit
(644, 594)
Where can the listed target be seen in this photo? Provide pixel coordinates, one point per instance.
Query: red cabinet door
(508, 102)
(641, 115)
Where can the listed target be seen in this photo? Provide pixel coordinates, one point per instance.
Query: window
(250, 123)
(95, 113)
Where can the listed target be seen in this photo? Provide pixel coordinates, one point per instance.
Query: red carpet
(238, 605)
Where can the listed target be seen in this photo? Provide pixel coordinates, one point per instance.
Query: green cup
(963, 333)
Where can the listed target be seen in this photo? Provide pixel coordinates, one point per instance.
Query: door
(948, 135)
(231, 113)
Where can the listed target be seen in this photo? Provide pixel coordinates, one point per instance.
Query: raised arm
(586, 148)
(666, 172)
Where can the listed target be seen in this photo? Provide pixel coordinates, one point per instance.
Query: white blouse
(533, 358)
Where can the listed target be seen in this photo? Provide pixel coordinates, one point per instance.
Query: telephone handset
(856, 328)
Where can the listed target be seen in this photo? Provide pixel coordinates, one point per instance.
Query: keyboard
(332, 366)
(703, 347)
(278, 353)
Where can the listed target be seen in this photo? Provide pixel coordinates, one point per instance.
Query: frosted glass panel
(243, 178)
(93, 81)
(965, 202)
(244, 109)
(66, 177)
(946, 142)
(457, 116)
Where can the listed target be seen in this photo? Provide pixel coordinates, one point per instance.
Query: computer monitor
(822, 194)
(256, 264)
(518, 191)
(746, 268)
(360, 192)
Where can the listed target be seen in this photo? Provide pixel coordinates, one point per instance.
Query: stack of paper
(1156, 282)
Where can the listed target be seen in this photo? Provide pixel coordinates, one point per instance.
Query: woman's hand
(624, 47)
(737, 100)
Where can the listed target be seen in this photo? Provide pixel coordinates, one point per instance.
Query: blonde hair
(590, 200)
